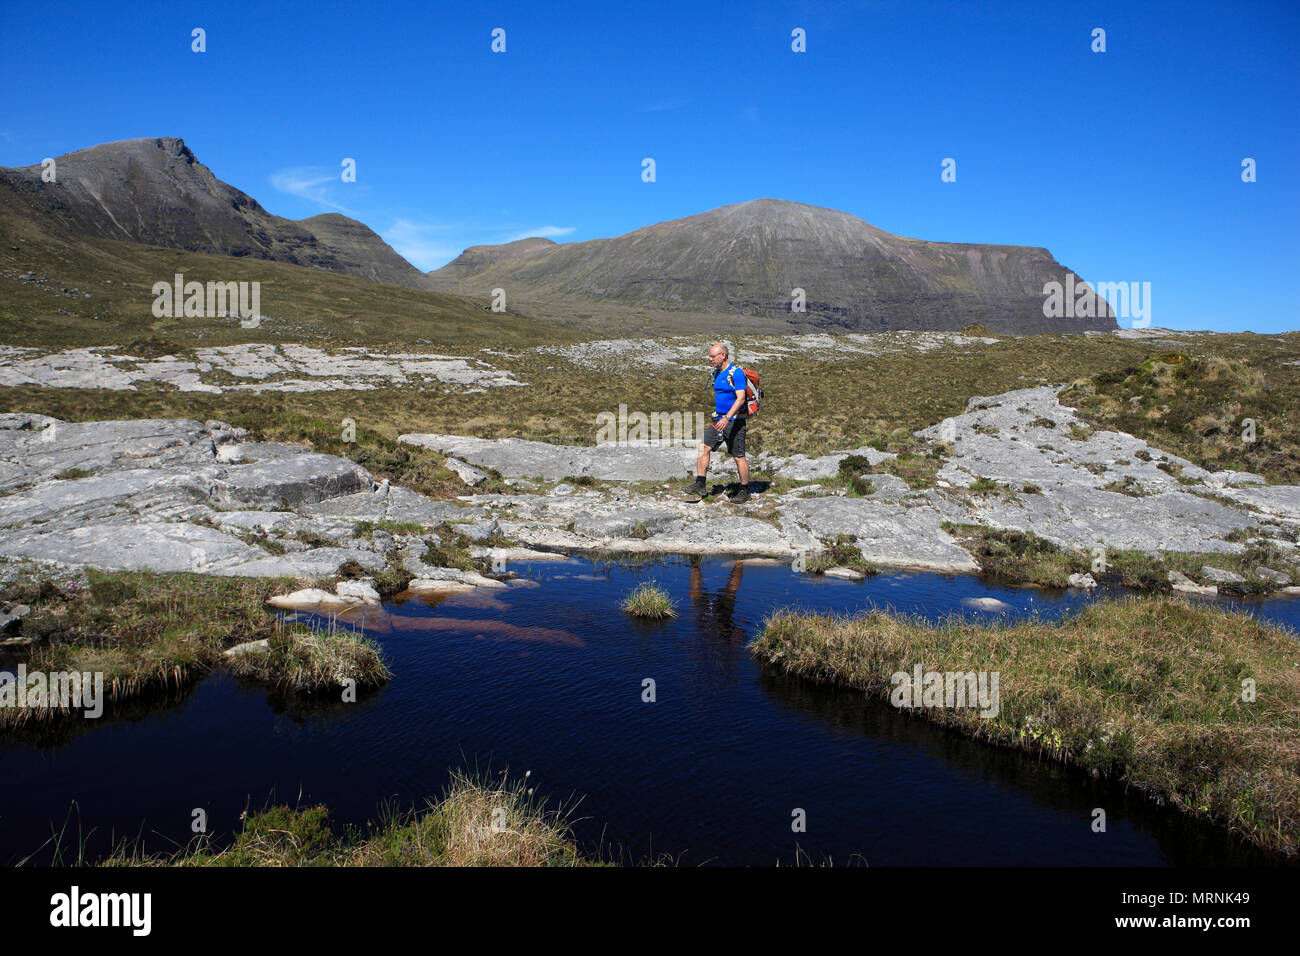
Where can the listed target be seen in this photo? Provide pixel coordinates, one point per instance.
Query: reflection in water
(479, 628)
(487, 599)
(547, 676)
(1067, 791)
(715, 610)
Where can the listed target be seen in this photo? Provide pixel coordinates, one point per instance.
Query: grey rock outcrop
(625, 523)
(185, 496)
(143, 495)
(1007, 438)
(802, 468)
(886, 533)
(290, 481)
(255, 367)
(517, 458)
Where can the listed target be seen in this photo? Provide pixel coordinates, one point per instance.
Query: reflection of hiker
(716, 609)
(729, 416)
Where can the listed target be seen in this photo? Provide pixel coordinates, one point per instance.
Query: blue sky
(1125, 164)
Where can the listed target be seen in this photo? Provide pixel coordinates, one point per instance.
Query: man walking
(729, 415)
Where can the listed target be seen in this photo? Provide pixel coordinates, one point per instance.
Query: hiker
(729, 415)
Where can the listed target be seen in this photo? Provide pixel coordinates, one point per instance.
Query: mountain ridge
(154, 190)
(748, 257)
(740, 259)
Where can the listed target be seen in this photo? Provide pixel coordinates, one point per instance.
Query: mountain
(155, 191)
(477, 259)
(746, 258)
(738, 260)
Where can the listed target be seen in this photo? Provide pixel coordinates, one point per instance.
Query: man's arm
(721, 423)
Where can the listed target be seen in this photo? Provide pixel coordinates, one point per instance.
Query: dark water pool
(546, 676)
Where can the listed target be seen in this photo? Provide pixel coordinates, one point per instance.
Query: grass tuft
(309, 659)
(449, 548)
(155, 634)
(840, 553)
(478, 822)
(1149, 691)
(649, 600)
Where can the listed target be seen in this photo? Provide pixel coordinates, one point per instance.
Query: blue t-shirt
(726, 384)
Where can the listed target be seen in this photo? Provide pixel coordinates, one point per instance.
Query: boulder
(438, 586)
(249, 647)
(358, 589)
(466, 473)
(312, 599)
(1221, 576)
(222, 432)
(12, 616)
(985, 604)
(1277, 577)
(1181, 582)
(438, 579)
(847, 573)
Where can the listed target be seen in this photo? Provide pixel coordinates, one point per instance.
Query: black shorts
(733, 435)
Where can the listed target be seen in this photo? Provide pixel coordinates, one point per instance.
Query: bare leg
(742, 465)
(702, 460)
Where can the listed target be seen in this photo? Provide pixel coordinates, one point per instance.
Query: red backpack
(753, 394)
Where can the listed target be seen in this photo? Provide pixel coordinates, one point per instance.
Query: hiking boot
(741, 496)
(696, 488)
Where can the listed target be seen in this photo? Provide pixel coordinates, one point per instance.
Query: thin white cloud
(546, 232)
(415, 243)
(313, 183)
(431, 245)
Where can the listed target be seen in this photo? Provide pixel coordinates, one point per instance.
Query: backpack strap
(743, 411)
